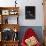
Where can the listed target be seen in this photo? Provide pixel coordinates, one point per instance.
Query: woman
(30, 38)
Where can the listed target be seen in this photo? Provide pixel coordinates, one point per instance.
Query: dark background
(30, 12)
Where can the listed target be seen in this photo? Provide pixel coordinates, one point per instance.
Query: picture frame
(29, 12)
(13, 12)
(5, 12)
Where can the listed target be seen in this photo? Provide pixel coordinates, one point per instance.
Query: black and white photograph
(30, 12)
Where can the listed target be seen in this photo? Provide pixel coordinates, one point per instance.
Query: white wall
(22, 3)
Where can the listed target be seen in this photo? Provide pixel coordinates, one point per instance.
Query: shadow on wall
(37, 29)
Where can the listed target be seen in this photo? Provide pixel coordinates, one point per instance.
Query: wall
(39, 13)
(38, 21)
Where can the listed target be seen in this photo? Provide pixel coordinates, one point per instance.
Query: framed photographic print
(13, 12)
(29, 12)
(5, 12)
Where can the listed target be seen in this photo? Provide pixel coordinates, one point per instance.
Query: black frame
(29, 12)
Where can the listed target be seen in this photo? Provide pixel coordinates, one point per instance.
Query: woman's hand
(32, 41)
